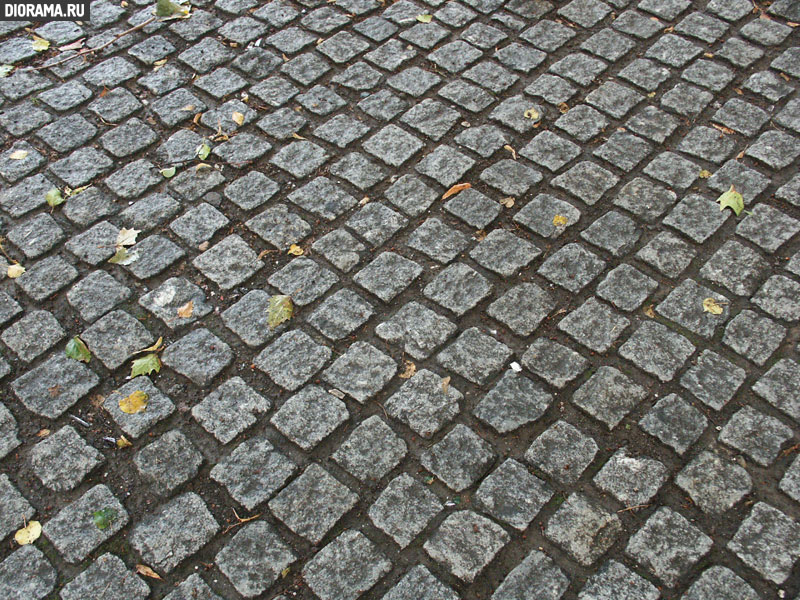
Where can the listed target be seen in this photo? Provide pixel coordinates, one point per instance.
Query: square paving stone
(116, 337)
(159, 406)
(253, 472)
(504, 253)
(562, 452)
(437, 240)
(230, 409)
(657, 350)
(672, 169)
(26, 195)
(749, 182)
(465, 543)
(707, 144)
(340, 314)
(106, 578)
(550, 150)
(392, 145)
(62, 460)
(684, 306)
(741, 116)
(371, 450)
(583, 528)
(341, 130)
(675, 422)
(572, 267)
(608, 44)
(254, 559)
(594, 325)
(520, 57)
(551, 88)
(199, 224)
(388, 275)
(556, 364)
(168, 462)
(652, 123)
(582, 122)
(539, 214)
(667, 253)
(150, 212)
(199, 356)
(228, 263)
(13, 169)
(320, 100)
(420, 584)
(696, 217)
(460, 458)
(473, 208)
(780, 386)
(445, 165)
(633, 480)
(538, 575)
(67, 133)
(720, 582)
(753, 336)
(95, 244)
(300, 158)
(457, 288)
(340, 249)
(346, 568)
(758, 435)
(33, 334)
(689, 101)
(579, 67)
(415, 82)
(155, 254)
(404, 509)
(376, 223)
(790, 483)
(8, 308)
(491, 75)
(128, 138)
(713, 380)
(475, 356)
(612, 98)
(36, 236)
(279, 227)
(522, 308)
(14, 510)
(361, 372)
(421, 404)
(46, 277)
(512, 403)
(248, 318)
(768, 541)
(410, 195)
(626, 287)
(548, 35)
(292, 359)
(419, 329)
(54, 386)
(585, 13)
(768, 227)
(624, 150)
(304, 280)
(383, 105)
(313, 503)
(174, 531)
(474, 99)
(668, 545)
(714, 484)
(608, 395)
(251, 191)
(175, 293)
(73, 531)
(310, 416)
(614, 581)
(26, 573)
(513, 495)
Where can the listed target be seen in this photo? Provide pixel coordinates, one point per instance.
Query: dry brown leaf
(507, 202)
(15, 271)
(43, 433)
(238, 118)
(445, 385)
(459, 187)
(363, 201)
(480, 235)
(185, 311)
(204, 246)
(708, 54)
(136, 402)
(723, 129)
(563, 108)
(28, 534)
(531, 114)
(409, 371)
(712, 306)
(147, 572)
(738, 91)
(510, 149)
(103, 92)
(740, 156)
(297, 136)
(648, 310)
(785, 76)
(295, 250)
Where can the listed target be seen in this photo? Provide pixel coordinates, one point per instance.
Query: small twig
(98, 49)
(384, 410)
(633, 507)
(240, 521)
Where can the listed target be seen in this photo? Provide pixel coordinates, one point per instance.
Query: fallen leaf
(201, 166)
(563, 108)
(723, 129)
(15, 271)
(134, 403)
(363, 201)
(708, 54)
(76, 349)
(445, 385)
(480, 235)
(280, 309)
(28, 534)
(103, 92)
(76, 45)
(704, 174)
(298, 136)
(126, 237)
(784, 76)
(166, 8)
(204, 246)
(18, 155)
(410, 369)
(69, 192)
(531, 114)
(154, 348)
(54, 198)
(424, 18)
(40, 44)
(187, 108)
(123, 257)
(238, 118)
(185, 311)
(738, 91)
(123, 442)
(337, 393)
(507, 202)
(43, 433)
(560, 221)
(285, 572)
(5, 70)
(104, 517)
(712, 306)
(459, 187)
(648, 310)
(203, 151)
(145, 365)
(651, 95)
(160, 63)
(733, 200)
(147, 572)
(295, 250)
(169, 172)
(510, 149)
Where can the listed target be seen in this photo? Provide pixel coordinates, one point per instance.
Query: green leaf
(54, 197)
(145, 365)
(424, 18)
(203, 151)
(166, 8)
(77, 350)
(280, 309)
(123, 257)
(168, 172)
(104, 517)
(733, 200)
(5, 70)
(40, 44)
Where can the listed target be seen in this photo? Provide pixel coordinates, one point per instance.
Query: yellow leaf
(15, 271)
(161, 62)
(201, 166)
(424, 18)
(19, 155)
(532, 114)
(40, 44)
(238, 118)
(154, 348)
(295, 250)
(280, 309)
(411, 368)
(123, 442)
(510, 149)
(298, 136)
(459, 187)
(560, 221)
(28, 534)
(135, 403)
(285, 572)
(704, 174)
(712, 306)
(147, 572)
(445, 385)
(648, 310)
(185, 311)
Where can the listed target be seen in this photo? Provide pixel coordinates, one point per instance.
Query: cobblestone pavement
(577, 425)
